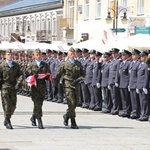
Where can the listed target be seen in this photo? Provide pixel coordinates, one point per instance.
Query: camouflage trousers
(72, 96)
(38, 95)
(9, 101)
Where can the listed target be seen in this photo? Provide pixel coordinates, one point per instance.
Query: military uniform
(72, 72)
(38, 91)
(11, 77)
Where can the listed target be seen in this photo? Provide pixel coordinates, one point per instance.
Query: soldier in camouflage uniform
(73, 73)
(38, 92)
(11, 77)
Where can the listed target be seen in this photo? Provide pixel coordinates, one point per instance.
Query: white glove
(145, 90)
(128, 88)
(98, 85)
(60, 81)
(137, 91)
(108, 87)
(116, 85)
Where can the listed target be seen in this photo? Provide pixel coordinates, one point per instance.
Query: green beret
(37, 50)
(71, 49)
(9, 51)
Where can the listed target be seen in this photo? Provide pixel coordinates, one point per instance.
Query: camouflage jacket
(70, 72)
(10, 76)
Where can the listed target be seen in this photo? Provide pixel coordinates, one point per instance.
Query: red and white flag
(105, 37)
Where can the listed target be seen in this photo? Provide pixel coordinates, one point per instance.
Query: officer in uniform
(96, 99)
(38, 92)
(143, 87)
(134, 65)
(104, 82)
(73, 73)
(11, 77)
(122, 81)
(115, 93)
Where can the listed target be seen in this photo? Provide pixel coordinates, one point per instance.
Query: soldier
(115, 93)
(143, 87)
(73, 73)
(134, 65)
(96, 99)
(122, 81)
(104, 82)
(38, 92)
(11, 77)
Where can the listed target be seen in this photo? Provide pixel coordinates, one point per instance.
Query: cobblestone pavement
(97, 131)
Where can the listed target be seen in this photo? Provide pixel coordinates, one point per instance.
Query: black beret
(92, 51)
(135, 51)
(144, 53)
(84, 50)
(48, 51)
(59, 53)
(106, 54)
(37, 50)
(126, 52)
(115, 50)
(54, 51)
(98, 53)
(78, 50)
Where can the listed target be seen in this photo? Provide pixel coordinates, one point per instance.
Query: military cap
(54, 51)
(135, 51)
(84, 50)
(71, 49)
(65, 53)
(9, 51)
(48, 51)
(115, 50)
(148, 51)
(59, 53)
(43, 53)
(106, 54)
(92, 51)
(98, 53)
(126, 52)
(110, 51)
(37, 50)
(144, 53)
(78, 50)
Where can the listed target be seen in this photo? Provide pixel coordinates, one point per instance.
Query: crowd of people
(115, 82)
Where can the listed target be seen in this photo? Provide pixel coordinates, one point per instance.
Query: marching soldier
(11, 77)
(73, 73)
(122, 81)
(133, 69)
(38, 92)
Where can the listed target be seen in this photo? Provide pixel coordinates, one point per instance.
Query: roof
(21, 5)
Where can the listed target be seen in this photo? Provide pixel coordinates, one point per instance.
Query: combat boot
(66, 118)
(33, 120)
(40, 124)
(73, 124)
(7, 123)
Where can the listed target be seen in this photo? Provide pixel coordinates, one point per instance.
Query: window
(140, 7)
(54, 26)
(124, 3)
(98, 8)
(71, 14)
(86, 14)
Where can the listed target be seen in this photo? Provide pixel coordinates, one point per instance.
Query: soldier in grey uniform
(143, 87)
(104, 82)
(133, 69)
(122, 81)
(115, 93)
(96, 99)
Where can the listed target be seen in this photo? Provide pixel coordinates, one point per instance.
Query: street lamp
(116, 12)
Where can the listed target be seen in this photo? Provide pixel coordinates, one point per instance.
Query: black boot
(7, 123)
(73, 124)
(40, 124)
(66, 118)
(33, 120)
